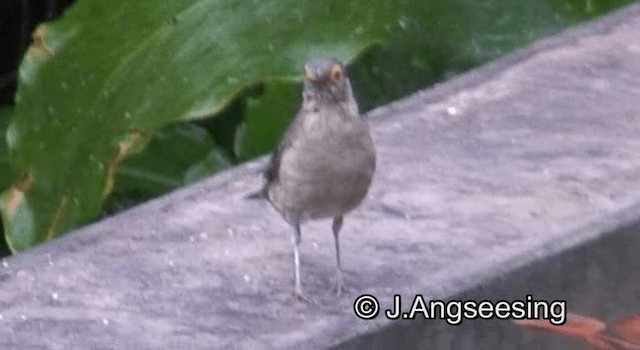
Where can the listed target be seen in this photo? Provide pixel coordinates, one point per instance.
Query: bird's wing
(273, 168)
(272, 172)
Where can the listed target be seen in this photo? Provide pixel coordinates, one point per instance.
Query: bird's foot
(301, 296)
(339, 286)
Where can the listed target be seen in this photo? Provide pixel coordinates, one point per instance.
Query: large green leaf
(442, 40)
(5, 170)
(96, 84)
(581, 10)
(266, 118)
(177, 155)
(435, 39)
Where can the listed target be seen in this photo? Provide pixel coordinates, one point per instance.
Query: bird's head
(326, 79)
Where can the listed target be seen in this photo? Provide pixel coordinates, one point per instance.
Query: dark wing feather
(272, 172)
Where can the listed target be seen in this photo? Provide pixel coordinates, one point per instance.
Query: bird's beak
(309, 73)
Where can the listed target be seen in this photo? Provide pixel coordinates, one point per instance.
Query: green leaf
(430, 41)
(212, 163)
(266, 118)
(178, 154)
(162, 166)
(6, 112)
(97, 83)
(5, 170)
(581, 10)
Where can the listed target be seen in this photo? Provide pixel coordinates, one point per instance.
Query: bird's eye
(336, 73)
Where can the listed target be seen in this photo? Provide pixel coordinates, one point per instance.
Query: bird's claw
(301, 296)
(339, 287)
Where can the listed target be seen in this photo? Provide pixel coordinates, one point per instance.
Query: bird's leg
(337, 225)
(297, 238)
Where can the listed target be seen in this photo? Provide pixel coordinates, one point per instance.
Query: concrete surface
(522, 177)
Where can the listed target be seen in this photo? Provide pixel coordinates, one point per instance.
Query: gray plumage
(324, 165)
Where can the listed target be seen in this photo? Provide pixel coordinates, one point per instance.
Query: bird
(325, 162)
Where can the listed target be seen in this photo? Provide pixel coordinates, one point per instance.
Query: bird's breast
(328, 169)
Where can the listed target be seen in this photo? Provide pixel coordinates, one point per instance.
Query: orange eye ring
(336, 73)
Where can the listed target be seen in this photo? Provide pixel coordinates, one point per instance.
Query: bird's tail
(261, 194)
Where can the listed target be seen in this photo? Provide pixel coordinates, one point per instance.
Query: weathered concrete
(517, 178)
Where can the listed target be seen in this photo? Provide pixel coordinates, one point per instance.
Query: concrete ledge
(522, 177)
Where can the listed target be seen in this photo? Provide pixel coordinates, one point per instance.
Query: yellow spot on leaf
(60, 211)
(14, 196)
(39, 48)
(126, 147)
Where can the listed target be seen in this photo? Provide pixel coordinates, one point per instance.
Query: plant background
(406, 46)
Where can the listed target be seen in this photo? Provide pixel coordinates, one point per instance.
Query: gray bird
(324, 165)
